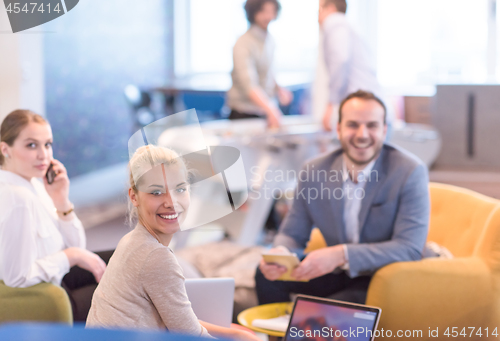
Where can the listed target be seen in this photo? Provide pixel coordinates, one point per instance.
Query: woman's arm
(273, 113)
(162, 280)
(58, 192)
(230, 333)
(19, 243)
(247, 79)
(86, 260)
(73, 233)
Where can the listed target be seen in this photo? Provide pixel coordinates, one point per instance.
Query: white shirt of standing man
(349, 65)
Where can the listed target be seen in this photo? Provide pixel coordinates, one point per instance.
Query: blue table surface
(58, 332)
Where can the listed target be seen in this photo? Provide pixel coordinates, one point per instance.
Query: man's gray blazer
(394, 214)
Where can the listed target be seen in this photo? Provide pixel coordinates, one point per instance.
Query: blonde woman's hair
(14, 123)
(145, 158)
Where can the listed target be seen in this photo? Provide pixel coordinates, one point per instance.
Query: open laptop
(315, 318)
(212, 299)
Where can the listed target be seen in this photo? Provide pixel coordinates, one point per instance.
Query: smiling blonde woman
(143, 286)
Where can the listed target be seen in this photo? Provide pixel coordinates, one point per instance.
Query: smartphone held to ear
(51, 174)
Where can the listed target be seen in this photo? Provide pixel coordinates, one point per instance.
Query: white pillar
(21, 69)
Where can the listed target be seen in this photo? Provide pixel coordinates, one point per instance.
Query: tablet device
(289, 261)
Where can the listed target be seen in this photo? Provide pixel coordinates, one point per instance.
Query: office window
(207, 30)
(414, 42)
(215, 25)
(425, 42)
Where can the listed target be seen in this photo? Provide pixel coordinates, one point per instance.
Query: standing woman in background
(41, 238)
(254, 86)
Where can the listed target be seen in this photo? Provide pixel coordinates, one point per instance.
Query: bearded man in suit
(369, 199)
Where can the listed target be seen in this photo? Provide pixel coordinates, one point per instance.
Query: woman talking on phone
(41, 238)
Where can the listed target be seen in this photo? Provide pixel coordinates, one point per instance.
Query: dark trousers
(337, 286)
(236, 115)
(80, 285)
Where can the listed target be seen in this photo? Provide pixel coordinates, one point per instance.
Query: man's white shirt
(353, 194)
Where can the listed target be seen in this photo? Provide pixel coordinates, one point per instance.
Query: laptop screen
(323, 319)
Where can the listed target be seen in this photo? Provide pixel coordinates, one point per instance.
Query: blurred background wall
(75, 68)
(90, 55)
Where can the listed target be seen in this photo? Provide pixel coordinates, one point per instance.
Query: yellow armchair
(42, 302)
(444, 293)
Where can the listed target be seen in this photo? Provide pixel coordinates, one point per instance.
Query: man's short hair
(365, 95)
(252, 7)
(341, 5)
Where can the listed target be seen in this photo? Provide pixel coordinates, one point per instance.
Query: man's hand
(320, 262)
(327, 117)
(273, 271)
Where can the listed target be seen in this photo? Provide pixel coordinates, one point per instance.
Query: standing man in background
(254, 89)
(347, 60)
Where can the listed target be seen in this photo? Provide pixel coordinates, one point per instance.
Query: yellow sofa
(42, 302)
(438, 293)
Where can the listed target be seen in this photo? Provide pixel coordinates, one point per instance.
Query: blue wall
(90, 55)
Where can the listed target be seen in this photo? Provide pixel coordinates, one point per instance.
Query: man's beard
(345, 148)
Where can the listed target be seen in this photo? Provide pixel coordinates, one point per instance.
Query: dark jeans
(236, 115)
(80, 285)
(337, 286)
